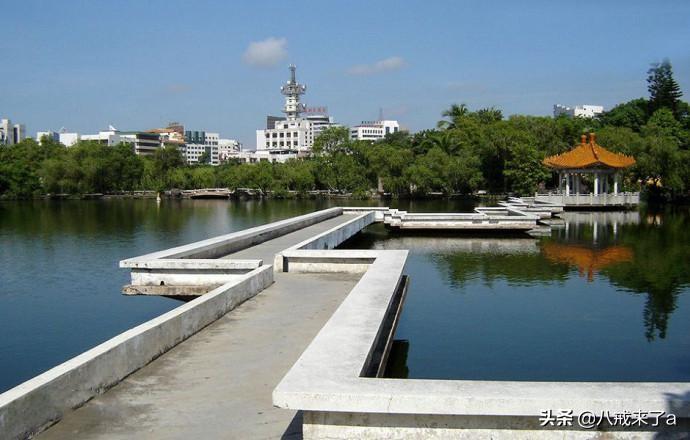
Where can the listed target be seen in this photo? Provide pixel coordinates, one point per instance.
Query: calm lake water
(572, 306)
(606, 298)
(59, 277)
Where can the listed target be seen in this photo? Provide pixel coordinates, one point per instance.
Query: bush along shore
(468, 152)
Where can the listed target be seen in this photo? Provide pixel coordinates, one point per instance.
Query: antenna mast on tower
(292, 91)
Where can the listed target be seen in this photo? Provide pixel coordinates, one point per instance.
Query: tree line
(467, 151)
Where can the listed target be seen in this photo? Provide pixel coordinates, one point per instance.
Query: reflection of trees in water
(89, 217)
(516, 268)
(640, 257)
(660, 268)
(657, 265)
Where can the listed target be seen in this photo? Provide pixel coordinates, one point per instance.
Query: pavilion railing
(590, 199)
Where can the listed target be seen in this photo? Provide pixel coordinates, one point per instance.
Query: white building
(374, 130)
(108, 137)
(199, 142)
(144, 143)
(68, 139)
(292, 136)
(583, 111)
(11, 134)
(228, 149)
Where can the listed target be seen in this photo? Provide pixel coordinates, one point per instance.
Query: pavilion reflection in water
(586, 260)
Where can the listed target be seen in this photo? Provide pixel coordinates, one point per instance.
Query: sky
(218, 65)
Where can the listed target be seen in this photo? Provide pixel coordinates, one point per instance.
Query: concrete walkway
(218, 383)
(267, 250)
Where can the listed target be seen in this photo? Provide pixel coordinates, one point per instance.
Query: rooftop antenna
(380, 113)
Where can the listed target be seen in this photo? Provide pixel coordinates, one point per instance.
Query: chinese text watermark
(591, 419)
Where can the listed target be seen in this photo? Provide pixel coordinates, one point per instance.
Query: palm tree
(444, 140)
(454, 114)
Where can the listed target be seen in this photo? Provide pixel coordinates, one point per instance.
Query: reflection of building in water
(587, 260)
(599, 222)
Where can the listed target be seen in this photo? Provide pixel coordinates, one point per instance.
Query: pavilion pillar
(567, 184)
(615, 184)
(560, 182)
(596, 184)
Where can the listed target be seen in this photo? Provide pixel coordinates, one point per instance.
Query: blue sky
(218, 66)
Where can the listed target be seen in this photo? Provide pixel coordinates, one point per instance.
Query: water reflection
(586, 260)
(606, 294)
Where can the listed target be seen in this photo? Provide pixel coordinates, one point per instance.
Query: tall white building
(199, 142)
(583, 111)
(294, 135)
(374, 130)
(11, 134)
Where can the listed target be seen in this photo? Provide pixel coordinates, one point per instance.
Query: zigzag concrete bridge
(302, 359)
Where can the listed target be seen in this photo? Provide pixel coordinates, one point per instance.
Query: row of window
(282, 134)
(283, 144)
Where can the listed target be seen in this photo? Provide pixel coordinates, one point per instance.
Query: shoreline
(282, 196)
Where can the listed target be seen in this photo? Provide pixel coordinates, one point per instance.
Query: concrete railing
(38, 403)
(195, 268)
(236, 241)
(620, 199)
(505, 217)
(328, 239)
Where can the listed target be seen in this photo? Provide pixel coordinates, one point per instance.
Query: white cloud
(385, 65)
(266, 53)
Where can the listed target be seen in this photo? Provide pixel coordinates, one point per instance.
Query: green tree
(632, 114)
(524, 170)
(205, 158)
(454, 114)
(664, 91)
(488, 115)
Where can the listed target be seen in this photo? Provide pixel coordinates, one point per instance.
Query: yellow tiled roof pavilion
(589, 155)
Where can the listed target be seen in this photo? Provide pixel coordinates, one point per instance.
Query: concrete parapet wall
(226, 244)
(348, 426)
(620, 199)
(37, 403)
(328, 240)
(502, 218)
(318, 261)
(379, 211)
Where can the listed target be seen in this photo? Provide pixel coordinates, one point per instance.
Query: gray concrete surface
(218, 383)
(268, 249)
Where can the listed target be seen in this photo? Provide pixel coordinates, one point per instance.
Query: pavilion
(589, 158)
